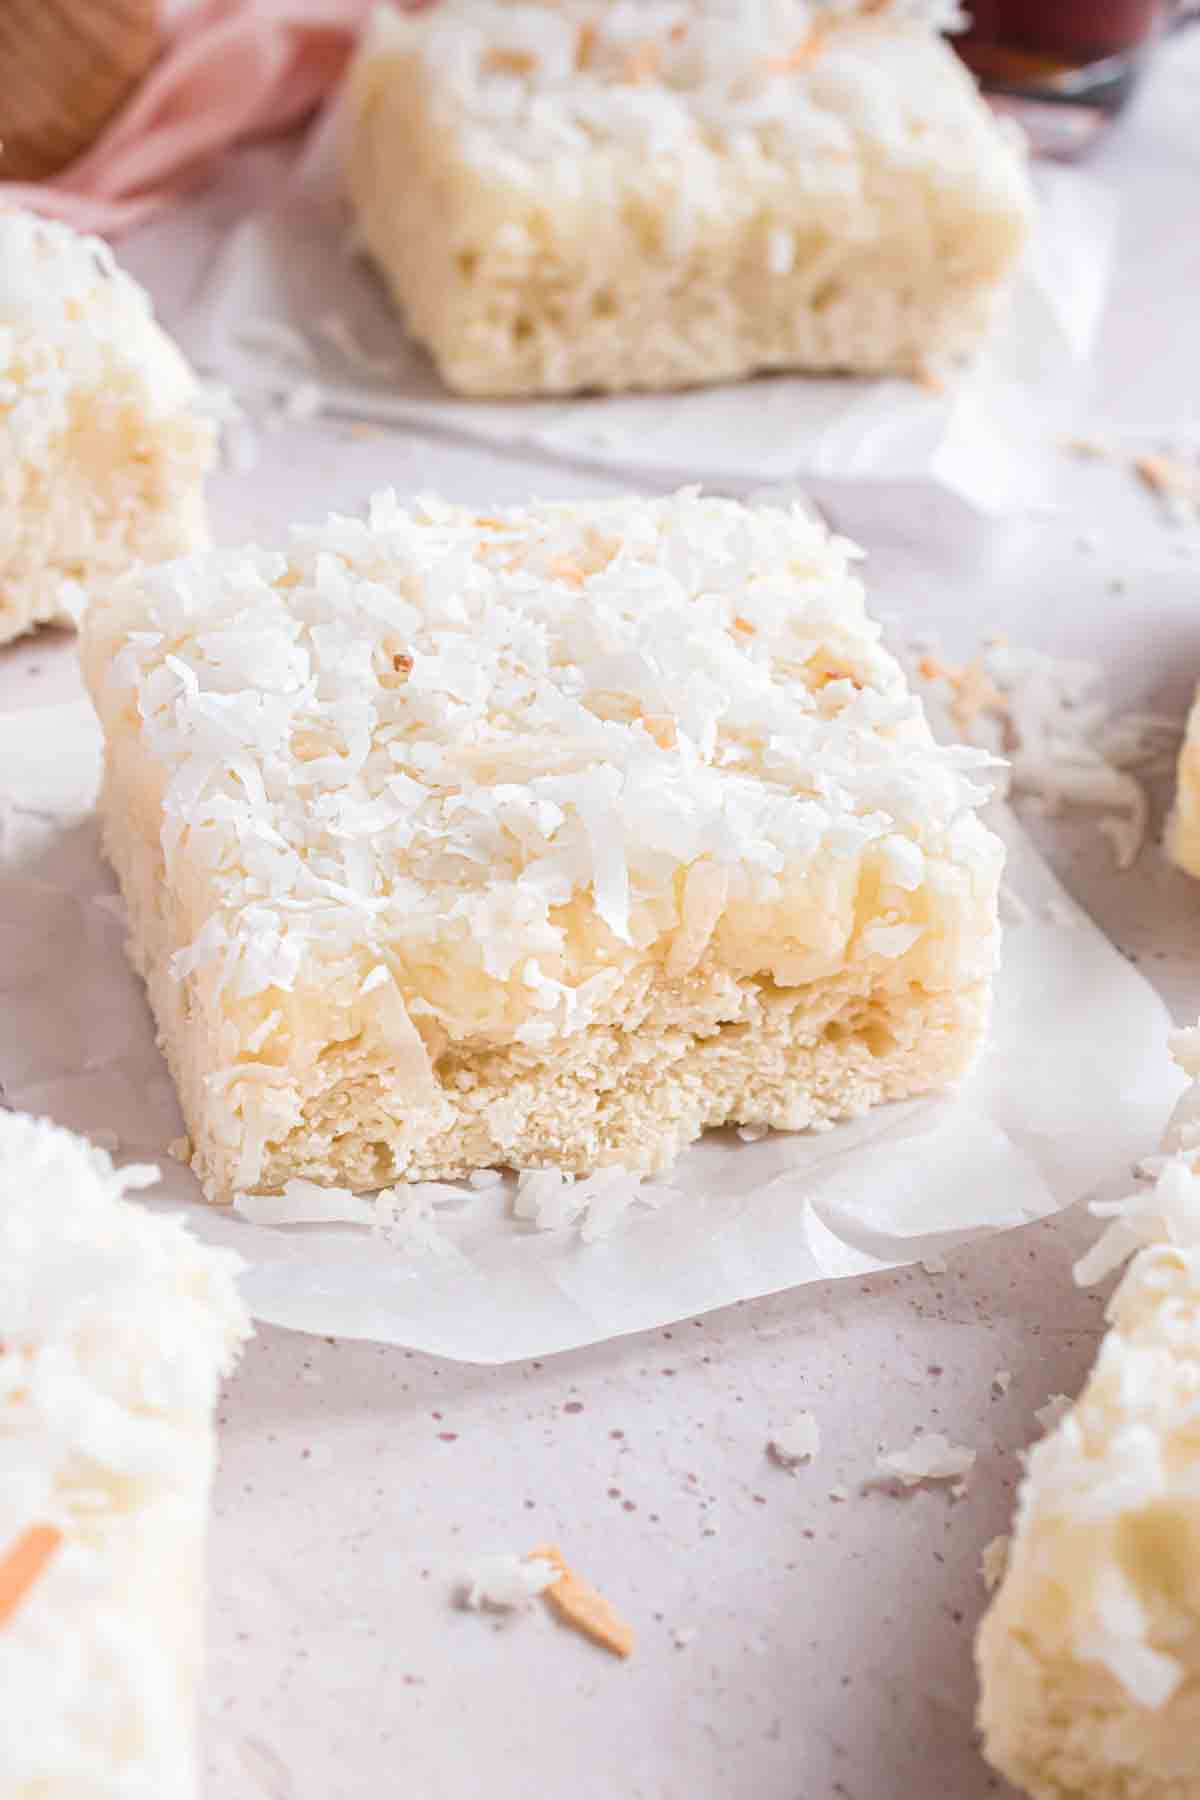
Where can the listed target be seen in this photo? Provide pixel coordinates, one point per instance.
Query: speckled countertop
(792, 1646)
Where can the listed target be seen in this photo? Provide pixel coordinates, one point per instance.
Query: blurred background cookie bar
(574, 196)
(104, 445)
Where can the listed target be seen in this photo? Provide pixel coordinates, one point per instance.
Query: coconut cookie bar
(1089, 1658)
(115, 1327)
(571, 195)
(545, 837)
(103, 447)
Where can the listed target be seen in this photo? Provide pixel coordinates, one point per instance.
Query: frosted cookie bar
(1183, 826)
(543, 837)
(103, 447)
(568, 195)
(115, 1327)
(1089, 1658)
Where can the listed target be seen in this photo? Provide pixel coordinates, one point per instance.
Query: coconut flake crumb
(306, 1203)
(484, 1178)
(839, 1494)
(504, 1582)
(930, 1457)
(1167, 1212)
(683, 1635)
(994, 1561)
(1167, 1209)
(1049, 717)
(796, 1442)
(934, 1265)
(1002, 1380)
(751, 1134)
(406, 1215)
(1053, 1412)
(550, 1200)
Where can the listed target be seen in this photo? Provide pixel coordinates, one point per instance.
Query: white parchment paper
(983, 439)
(1074, 1084)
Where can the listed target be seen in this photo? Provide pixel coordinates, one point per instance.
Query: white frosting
(496, 764)
(114, 1330)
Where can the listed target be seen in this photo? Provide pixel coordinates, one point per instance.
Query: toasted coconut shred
(509, 1583)
(23, 1563)
(582, 1607)
(1177, 484)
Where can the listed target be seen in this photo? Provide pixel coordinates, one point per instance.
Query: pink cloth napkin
(231, 70)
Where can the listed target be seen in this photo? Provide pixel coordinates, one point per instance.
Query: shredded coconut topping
(1166, 1213)
(481, 765)
(532, 84)
(930, 1457)
(504, 1582)
(797, 1442)
(68, 314)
